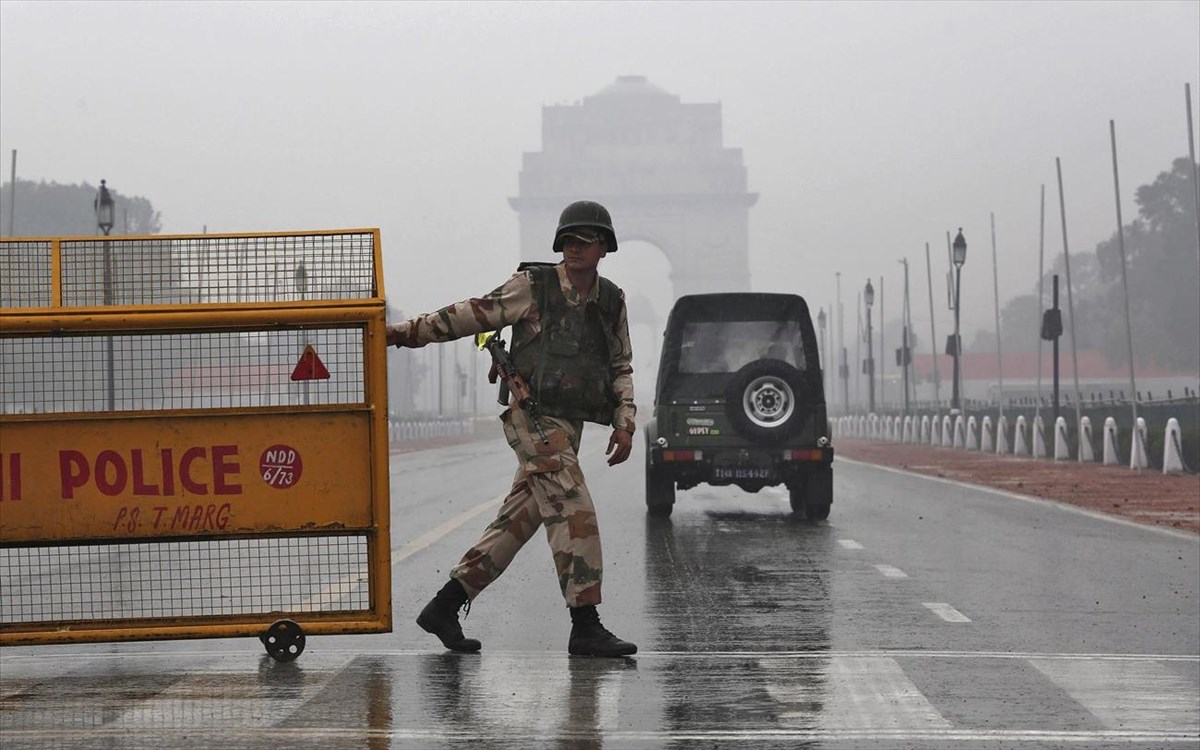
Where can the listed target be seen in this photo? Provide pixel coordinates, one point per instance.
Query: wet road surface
(921, 615)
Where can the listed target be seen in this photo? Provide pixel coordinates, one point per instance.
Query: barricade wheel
(284, 640)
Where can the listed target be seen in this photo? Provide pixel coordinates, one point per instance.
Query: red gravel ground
(1146, 497)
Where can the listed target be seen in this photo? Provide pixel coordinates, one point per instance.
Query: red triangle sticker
(310, 366)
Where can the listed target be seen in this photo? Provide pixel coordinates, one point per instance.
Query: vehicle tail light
(683, 455)
(814, 454)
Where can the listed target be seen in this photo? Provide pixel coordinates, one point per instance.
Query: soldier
(571, 344)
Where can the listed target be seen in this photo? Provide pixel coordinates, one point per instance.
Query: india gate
(659, 166)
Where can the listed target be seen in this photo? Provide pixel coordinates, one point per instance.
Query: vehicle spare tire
(766, 401)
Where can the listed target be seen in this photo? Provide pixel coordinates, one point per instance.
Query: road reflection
(508, 698)
(729, 594)
(360, 696)
(592, 700)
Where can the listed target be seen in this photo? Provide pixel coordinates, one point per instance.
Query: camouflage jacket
(513, 303)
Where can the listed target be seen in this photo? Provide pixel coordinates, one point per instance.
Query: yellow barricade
(193, 438)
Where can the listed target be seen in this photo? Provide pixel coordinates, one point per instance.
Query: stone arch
(660, 168)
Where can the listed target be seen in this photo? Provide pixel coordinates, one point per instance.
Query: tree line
(49, 209)
(1163, 271)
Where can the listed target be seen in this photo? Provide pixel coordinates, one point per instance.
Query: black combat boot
(440, 617)
(590, 638)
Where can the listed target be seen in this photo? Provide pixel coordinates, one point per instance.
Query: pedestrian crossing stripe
(1142, 695)
(868, 695)
(857, 693)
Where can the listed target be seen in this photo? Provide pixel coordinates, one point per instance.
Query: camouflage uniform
(549, 487)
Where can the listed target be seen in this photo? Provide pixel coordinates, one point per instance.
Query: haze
(868, 129)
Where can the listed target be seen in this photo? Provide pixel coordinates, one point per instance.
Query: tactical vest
(567, 365)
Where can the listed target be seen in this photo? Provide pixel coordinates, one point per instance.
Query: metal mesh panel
(181, 579)
(25, 274)
(158, 371)
(217, 269)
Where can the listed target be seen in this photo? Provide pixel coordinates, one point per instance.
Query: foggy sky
(867, 129)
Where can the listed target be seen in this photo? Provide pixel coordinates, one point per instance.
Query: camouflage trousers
(549, 491)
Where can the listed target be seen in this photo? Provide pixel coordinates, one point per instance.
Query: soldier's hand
(622, 442)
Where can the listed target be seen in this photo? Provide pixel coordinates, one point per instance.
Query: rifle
(510, 379)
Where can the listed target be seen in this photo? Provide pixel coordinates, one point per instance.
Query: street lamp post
(105, 209)
(300, 278)
(824, 363)
(843, 363)
(868, 300)
(104, 221)
(959, 257)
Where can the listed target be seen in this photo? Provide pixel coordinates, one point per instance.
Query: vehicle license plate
(742, 472)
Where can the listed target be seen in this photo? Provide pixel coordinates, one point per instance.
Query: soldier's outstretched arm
(502, 306)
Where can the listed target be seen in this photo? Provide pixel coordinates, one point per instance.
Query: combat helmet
(585, 214)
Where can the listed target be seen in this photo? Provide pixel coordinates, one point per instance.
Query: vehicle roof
(738, 306)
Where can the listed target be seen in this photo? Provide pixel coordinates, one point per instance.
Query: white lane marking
(336, 590)
(850, 544)
(433, 535)
(866, 693)
(437, 532)
(890, 571)
(946, 612)
(1128, 696)
(1190, 536)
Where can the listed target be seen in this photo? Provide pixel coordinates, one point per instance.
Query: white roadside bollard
(1137, 449)
(947, 436)
(1086, 454)
(959, 427)
(1039, 437)
(1110, 443)
(923, 439)
(1020, 447)
(971, 443)
(1172, 448)
(985, 435)
(907, 431)
(1062, 446)
(1002, 436)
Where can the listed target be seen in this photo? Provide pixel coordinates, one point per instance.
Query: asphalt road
(922, 614)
